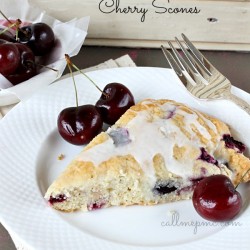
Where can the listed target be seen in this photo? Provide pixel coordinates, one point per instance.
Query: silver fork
(199, 76)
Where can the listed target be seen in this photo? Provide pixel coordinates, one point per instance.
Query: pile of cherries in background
(20, 48)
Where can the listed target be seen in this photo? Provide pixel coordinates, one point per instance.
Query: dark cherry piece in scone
(156, 152)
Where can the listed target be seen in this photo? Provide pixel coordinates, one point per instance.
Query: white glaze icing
(150, 138)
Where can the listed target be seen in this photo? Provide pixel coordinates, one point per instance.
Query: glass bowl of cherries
(32, 48)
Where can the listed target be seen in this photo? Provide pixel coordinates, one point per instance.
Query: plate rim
(18, 106)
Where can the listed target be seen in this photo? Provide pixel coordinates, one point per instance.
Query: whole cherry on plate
(115, 100)
(80, 124)
(215, 198)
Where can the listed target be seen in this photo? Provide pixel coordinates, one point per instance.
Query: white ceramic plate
(30, 145)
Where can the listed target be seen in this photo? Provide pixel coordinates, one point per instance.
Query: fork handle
(241, 103)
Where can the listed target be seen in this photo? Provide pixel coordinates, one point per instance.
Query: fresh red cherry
(27, 66)
(9, 58)
(39, 37)
(115, 100)
(21, 75)
(79, 125)
(215, 198)
(26, 55)
(2, 41)
(7, 35)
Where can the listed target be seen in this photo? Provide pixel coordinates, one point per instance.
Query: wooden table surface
(234, 65)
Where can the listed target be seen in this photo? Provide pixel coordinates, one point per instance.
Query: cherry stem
(17, 38)
(7, 19)
(75, 67)
(47, 67)
(13, 24)
(69, 63)
(16, 23)
(242, 178)
(42, 66)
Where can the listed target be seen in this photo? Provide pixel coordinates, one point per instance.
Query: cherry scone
(155, 153)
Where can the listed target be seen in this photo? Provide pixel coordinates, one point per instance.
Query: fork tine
(187, 55)
(194, 75)
(192, 63)
(184, 66)
(178, 67)
(174, 65)
(201, 60)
